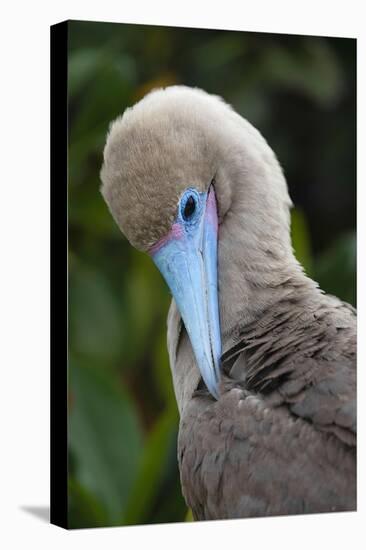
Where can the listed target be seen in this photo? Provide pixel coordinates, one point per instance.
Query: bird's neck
(257, 271)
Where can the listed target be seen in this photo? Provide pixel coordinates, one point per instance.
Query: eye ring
(189, 205)
(189, 208)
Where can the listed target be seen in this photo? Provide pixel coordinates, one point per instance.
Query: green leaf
(313, 69)
(153, 467)
(84, 510)
(335, 269)
(147, 304)
(83, 63)
(162, 372)
(217, 52)
(88, 212)
(96, 328)
(301, 240)
(95, 113)
(104, 437)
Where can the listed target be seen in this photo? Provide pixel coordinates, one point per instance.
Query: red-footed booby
(263, 362)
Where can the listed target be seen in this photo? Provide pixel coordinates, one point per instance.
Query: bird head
(169, 166)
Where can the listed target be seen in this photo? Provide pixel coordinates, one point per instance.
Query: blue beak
(187, 259)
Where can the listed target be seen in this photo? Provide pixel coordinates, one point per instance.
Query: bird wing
(281, 438)
(239, 457)
(304, 361)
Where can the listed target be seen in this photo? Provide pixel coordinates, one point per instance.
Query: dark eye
(189, 208)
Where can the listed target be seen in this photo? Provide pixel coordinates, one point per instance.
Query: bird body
(267, 427)
(281, 438)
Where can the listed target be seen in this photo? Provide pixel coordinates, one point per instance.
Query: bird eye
(189, 208)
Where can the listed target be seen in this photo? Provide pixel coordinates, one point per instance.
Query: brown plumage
(281, 438)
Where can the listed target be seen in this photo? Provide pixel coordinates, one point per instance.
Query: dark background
(300, 93)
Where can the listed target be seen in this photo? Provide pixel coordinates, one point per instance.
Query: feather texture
(281, 439)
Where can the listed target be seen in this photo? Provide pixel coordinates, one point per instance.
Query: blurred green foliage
(300, 93)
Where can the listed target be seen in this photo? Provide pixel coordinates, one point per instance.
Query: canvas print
(211, 354)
